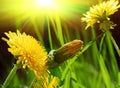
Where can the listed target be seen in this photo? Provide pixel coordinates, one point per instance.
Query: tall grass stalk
(114, 66)
(10, 76)
(49, 34)
(59, 29)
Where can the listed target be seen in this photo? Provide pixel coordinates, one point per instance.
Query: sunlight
(45, 3)
(41, 8)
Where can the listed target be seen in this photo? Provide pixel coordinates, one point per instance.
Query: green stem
(30, 86)
(74, 58)
(103, 68)
(114, 66)
(59, 30)
(101, 42)
(37, 31)
(49, 34)
(109, 44)
(104, 72)
(94, 48)
(116, 46)
(10, 76)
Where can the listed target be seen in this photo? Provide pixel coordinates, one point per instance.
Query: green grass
(95, 66)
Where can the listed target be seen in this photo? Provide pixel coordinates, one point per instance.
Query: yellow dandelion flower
(101, 12)
(52, 83)
(29, 51)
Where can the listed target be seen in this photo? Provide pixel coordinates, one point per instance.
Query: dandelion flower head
(53, 83)
(30, 52)
(100, 12)
(48, 83)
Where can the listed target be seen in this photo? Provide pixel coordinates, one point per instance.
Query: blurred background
(12, 17)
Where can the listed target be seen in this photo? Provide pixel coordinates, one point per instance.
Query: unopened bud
(67, 51)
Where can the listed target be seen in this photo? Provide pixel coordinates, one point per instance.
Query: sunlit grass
(95, 66)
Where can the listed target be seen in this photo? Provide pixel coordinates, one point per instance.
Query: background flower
(100, 13)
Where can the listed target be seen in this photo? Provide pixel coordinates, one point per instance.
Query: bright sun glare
(45, 3)
(40, 8)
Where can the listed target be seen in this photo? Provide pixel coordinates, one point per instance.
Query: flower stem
(75, 57)
(30, 86)
(115, 45)
(114, 66)
(101, 42)
(10, 76)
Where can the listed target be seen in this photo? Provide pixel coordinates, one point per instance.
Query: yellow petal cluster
(52, 83)
(100, 12)
(30, 52)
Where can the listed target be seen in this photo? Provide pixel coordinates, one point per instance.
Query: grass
(95, 66)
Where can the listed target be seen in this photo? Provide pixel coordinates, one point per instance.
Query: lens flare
(45, 3)
(23, 9)
(41, 13)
